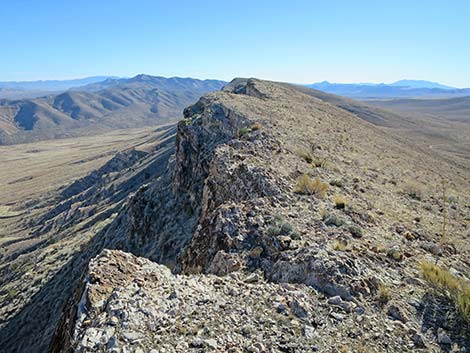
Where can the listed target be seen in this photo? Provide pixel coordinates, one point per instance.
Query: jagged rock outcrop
(131, 304)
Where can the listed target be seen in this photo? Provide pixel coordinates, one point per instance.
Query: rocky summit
(282, 222)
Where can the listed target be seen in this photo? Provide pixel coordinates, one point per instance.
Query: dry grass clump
(458, 290)
(414, 190)
(309, 186)
(310, 158)
(383, 294)
(319, 162)
(305, 154)
(340, 201)
(340, 245)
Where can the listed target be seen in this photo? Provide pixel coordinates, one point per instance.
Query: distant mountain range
(399, 89)
(34, 89)
(52, 85)
(420, 84)
(100, 106)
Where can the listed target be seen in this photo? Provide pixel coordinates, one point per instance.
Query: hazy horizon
(299, 41)
(363, 82)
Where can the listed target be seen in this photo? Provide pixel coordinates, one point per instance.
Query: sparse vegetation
(414, 190)
(307, 185)
(395, 253)
(319, 162)
(309, 157)
(336, 182)
(305, 154)
(457, 289)
(355, 231)
(340, 201)
(340, 245)
(243, 131)
(11, 294)
(246, 130)
(282, 227)
(332, 220)
(383, 294)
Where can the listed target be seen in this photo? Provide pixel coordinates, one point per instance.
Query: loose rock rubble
(131, 304)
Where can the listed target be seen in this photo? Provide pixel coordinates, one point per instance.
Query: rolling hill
(112, 104)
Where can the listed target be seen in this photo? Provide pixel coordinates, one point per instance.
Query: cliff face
(232, 201)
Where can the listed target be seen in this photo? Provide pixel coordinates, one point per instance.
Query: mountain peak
(142, 78)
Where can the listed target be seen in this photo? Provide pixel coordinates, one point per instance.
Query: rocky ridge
(231, 187)
(227, 213)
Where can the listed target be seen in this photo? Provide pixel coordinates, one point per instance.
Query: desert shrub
(305, 154)
(414, 190)
(11, 294)
(340, 201)
(452, 199)
(395, 253)
(186, 122)
(341, 245)
(355, 231)
(243, 131)
(332, 220)
(307, 185)
(336, 182)
(457, 289)
(319, 162)
(52, 240)
(383, 294)
(282, 227)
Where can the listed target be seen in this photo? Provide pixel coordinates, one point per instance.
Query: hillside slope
(439, 127)
(303, 262)
(453, 109)
(123, 103)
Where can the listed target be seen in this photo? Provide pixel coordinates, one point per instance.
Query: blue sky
(295, 40)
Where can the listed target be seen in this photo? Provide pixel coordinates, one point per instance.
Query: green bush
(282, 227)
